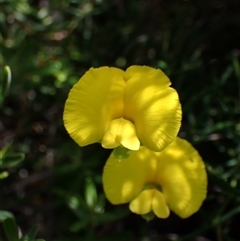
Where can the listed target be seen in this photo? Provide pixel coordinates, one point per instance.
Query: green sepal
(148, 216)
(121, 152)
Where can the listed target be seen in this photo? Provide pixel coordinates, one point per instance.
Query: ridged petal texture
(123, 108)
(121, 132)
(93, 102)
(178, 170)
(182, 175)
(153, 106)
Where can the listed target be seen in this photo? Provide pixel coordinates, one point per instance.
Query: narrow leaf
(11, 229)
(4, 215)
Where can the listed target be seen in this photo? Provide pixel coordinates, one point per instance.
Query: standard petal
(152, 106)
(121, 131)
(182, 176)
(93, 102)
(124, 179)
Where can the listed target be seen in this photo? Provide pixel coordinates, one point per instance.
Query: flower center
(150, 199)
(151, 185)
(121, 132)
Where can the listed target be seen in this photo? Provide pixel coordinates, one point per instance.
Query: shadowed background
(48, 46)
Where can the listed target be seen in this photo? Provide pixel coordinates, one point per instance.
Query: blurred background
(47, 179)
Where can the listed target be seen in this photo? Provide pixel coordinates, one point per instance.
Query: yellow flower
(174, 179)
(123, 108)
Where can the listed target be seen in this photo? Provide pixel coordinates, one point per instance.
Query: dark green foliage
(48, 45)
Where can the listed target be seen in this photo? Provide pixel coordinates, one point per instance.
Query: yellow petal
(142, 204)
(152, 106)
(93, 102)
(182, 176)
(124, 179)
(121, 131)
(150, 200)
(159, 205)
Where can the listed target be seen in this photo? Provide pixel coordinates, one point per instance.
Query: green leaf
(30, 236)
(11, 229)
(4, 215)
(9, 159)
(25, 239)
(90, 193)
(5, 84)
(109, 217)
(79, 225)
(225, 186)
(4, 175)
(236, 65)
